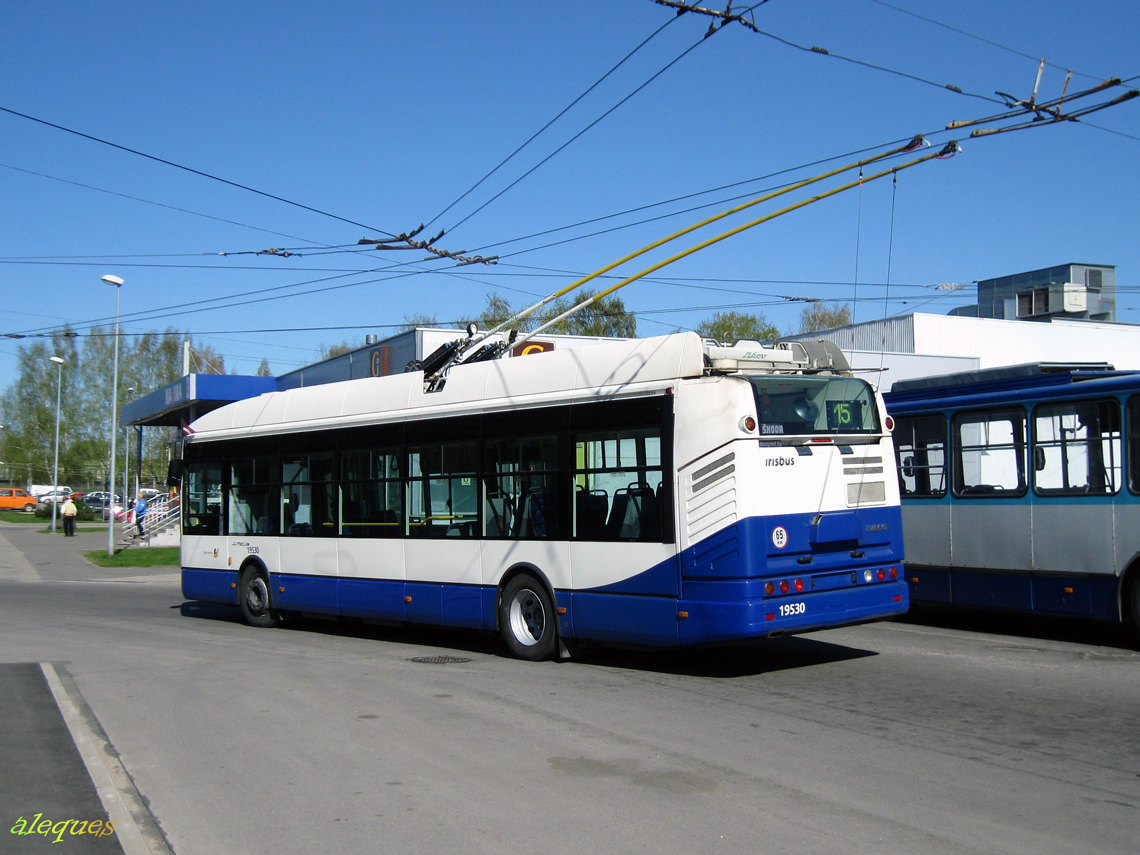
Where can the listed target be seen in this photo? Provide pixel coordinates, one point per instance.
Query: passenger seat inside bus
(590, 513)
(634, 513)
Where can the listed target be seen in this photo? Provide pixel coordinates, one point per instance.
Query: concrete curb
(135, 828)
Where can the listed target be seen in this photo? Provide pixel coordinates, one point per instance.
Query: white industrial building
(921, 345)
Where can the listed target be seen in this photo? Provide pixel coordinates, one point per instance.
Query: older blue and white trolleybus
(653, 492)
(1021, 489)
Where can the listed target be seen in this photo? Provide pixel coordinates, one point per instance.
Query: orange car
(12, 498)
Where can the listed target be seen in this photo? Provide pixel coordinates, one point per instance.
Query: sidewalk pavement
(29, 554)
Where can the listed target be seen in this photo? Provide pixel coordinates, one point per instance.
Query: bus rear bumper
(712, 622)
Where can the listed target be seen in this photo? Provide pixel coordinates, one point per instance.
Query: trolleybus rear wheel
(253, 593)
(1134, 604)
(526, 619)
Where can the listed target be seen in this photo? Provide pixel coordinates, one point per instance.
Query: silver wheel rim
(257, 596)
(527, 617)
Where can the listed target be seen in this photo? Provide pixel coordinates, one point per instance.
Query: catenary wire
(576, 136)
(982, 39)
(157, 204)
(563, 112)
(190, 170)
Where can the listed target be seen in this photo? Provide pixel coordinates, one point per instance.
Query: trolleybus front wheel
(253, 593)
(526, 619)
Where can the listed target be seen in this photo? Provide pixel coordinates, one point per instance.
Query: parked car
(38, 490)
(55, 497)
(98, 499)
(13, 498)
(150, 494)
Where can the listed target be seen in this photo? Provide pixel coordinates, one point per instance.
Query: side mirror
(174, 473)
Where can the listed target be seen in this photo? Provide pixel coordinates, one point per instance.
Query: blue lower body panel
(1040, 593)
(211, 586)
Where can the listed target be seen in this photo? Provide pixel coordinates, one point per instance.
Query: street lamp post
(118, 283)
(127, 462)
(55, 460)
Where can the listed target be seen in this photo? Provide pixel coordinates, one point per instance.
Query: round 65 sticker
(779, 537)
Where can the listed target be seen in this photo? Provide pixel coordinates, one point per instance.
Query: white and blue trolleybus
(654, 492)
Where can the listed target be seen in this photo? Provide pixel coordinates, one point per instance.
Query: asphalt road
(902, 737)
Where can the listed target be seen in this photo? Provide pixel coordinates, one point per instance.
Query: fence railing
(161, 515)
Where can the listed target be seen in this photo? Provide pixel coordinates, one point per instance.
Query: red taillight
(882, 574)
(799, 583)
(890, 423)
(894, 573)
(770, 588)
(783, 586)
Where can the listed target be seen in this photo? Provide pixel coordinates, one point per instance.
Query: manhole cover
(439, 660)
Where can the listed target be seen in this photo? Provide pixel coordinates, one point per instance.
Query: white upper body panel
(600, 371)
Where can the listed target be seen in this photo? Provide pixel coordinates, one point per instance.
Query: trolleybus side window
(920, 449)
(308, 495)
(255, 495)
(989, 453)
(521, 488)
(371, 493)
(1077, 448)
(442, 490)
(203, 497)
(1133, 417)
(618, 485)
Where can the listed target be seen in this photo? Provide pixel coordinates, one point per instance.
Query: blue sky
(384, 114)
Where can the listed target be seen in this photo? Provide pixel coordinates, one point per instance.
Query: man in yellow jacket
(69, 511)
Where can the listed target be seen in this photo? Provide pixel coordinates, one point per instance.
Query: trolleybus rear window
(796, 405)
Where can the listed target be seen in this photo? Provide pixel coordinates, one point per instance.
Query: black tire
(1134, 605)
(253, 594)
(526, 619)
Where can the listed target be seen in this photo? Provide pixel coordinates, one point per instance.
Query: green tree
(30, 411)
(328, 351)
(606, 317)
(146, 363)
(418, 320)
(731, 327)
(498, 310)
(824, 316)
(263, 369)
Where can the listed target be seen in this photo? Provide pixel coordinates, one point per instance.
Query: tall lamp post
(58, 360)
(127, 462)
(118, 283)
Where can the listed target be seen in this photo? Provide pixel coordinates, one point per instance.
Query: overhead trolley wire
(946, 152)
(157, 204)
(191, 170)
(436, 364)
(910, 146)
(580, 133)
(563, 112)
(678, 212)
(825, 52)
(982, 39)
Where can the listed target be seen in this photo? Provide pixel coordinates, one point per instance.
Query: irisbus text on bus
(656, 492)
